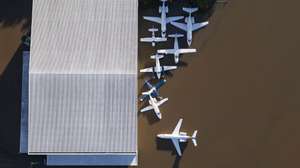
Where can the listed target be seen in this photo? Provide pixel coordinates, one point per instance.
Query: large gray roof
(83, 77)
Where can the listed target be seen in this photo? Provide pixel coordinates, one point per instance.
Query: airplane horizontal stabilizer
(153, 30)
(189, 10)
(176, 35)
(194, 136)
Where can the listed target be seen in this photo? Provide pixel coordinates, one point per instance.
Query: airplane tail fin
(194, 136)
(157, 55)
(189, 10)
(176, 35)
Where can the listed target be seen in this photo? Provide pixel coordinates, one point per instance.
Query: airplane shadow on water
(167, 145)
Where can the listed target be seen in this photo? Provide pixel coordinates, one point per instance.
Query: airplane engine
(182, 140)
(186, 20)
(167, 9)
(159, 9)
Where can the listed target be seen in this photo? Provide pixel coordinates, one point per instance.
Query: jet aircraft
(153, 89)
(190, 25)
(154, 104)
(176, 136)
(176, 51)
(158, 70)
(163, 20)
(153, 39)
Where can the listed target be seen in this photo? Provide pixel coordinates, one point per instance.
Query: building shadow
(15, 12)
(10, 102)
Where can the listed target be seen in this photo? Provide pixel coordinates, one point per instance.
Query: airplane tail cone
(194, 136)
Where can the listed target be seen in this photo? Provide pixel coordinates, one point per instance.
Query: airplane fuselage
(189, 32)
(182, 137)
(163, 19)
(176, 48)
(157, 68)
(153, 103)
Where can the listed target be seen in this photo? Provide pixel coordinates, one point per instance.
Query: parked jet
(190, 25)
(153, 39)
(163, 20)
(158, 70)
(154, 104)
(178, 136)
(153, 90)
(176, 51)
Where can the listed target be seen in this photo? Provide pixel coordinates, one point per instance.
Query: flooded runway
(241, 91)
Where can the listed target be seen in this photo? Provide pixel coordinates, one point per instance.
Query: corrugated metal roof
(83, 77)
(84, 36)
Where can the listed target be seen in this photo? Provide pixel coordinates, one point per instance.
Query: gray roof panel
(83, 77)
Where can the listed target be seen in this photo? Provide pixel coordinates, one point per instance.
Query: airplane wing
(168, 68)
(188, 50)
(199, 25)
(180, 25)
(162, 101)
(177, 146)
(166, 51)
(146, 39)
(174, 18)
(153, 19)
(147, 108)
(158, 39)
(149, 86)
(177, 128)
(147, 70)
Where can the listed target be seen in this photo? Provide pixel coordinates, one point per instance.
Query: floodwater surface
(241, 91)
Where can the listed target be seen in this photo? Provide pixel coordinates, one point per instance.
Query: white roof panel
(84, 36)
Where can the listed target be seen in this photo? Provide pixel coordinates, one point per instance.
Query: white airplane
(153, 104)
(176, 51)
(163, 20)
(158, 70)
(153, 39)
(178, 136)
(153, 89)
(190, 25)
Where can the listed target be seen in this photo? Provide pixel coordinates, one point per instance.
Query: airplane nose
(189, 42)
(163, 34)
(159, 135)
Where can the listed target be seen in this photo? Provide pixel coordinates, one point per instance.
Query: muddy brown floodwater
(241, 91)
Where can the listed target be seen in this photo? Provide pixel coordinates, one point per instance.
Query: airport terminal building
(79, 94)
